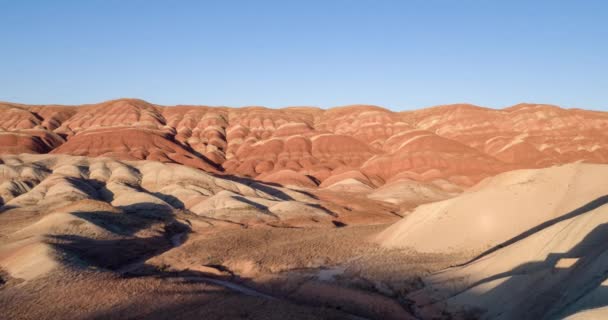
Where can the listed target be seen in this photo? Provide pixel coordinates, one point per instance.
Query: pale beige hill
(499, 209)
(54, 180)
(349, 185)
(539, 243)
(412, 192)
(545, 275)
(54, 201)
(27, 253)
(27, 259)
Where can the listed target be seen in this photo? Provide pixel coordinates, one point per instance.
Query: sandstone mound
(499, 209)
(413, 192)
(132, 144)
(27, 260)
(135, 186)
(556, 271)
(423, 157)
(536, 237)
(25, 129)
(289, 178)
(56, 207)
(349, 181)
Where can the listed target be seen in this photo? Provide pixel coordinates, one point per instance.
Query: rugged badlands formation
(362, 145)
(127, 209)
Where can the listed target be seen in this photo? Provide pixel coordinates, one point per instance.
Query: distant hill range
(450, 146)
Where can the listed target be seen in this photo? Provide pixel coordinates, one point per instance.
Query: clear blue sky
(399, 54)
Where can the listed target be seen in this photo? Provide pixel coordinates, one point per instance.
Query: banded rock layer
(359, 146)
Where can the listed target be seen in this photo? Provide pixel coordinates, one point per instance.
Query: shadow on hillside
(141, 230)
(113, 254)
(98, 190)
(555, 287)
(135, 217)
(254, 204)
(266, 187)
(131, 221)
(6, 208)
(108, 254)
(195, 153)
(581, 210)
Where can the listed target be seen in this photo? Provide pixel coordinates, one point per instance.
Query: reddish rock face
(308, 146)
(25, 129)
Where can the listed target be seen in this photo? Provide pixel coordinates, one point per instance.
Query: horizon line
(299, 106)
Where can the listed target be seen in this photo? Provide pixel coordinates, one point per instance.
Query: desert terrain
(130, 210)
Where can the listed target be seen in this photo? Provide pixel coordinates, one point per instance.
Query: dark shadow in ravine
(197, 154)
(322, 208)
(254, 204)
(131, 220)
(262, 186)
(125, 246)
(107, 254)
(172, 200)
(6, 208)
(306, 193)
(136, 216)
(114, 253)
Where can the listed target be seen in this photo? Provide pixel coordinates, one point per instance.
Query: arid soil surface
(295, 280)
(130, 210)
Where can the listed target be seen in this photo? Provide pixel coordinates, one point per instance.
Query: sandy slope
(82, 196)
(538, 238)
(499, 209)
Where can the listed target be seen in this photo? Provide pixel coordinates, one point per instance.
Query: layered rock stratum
(306, 146)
